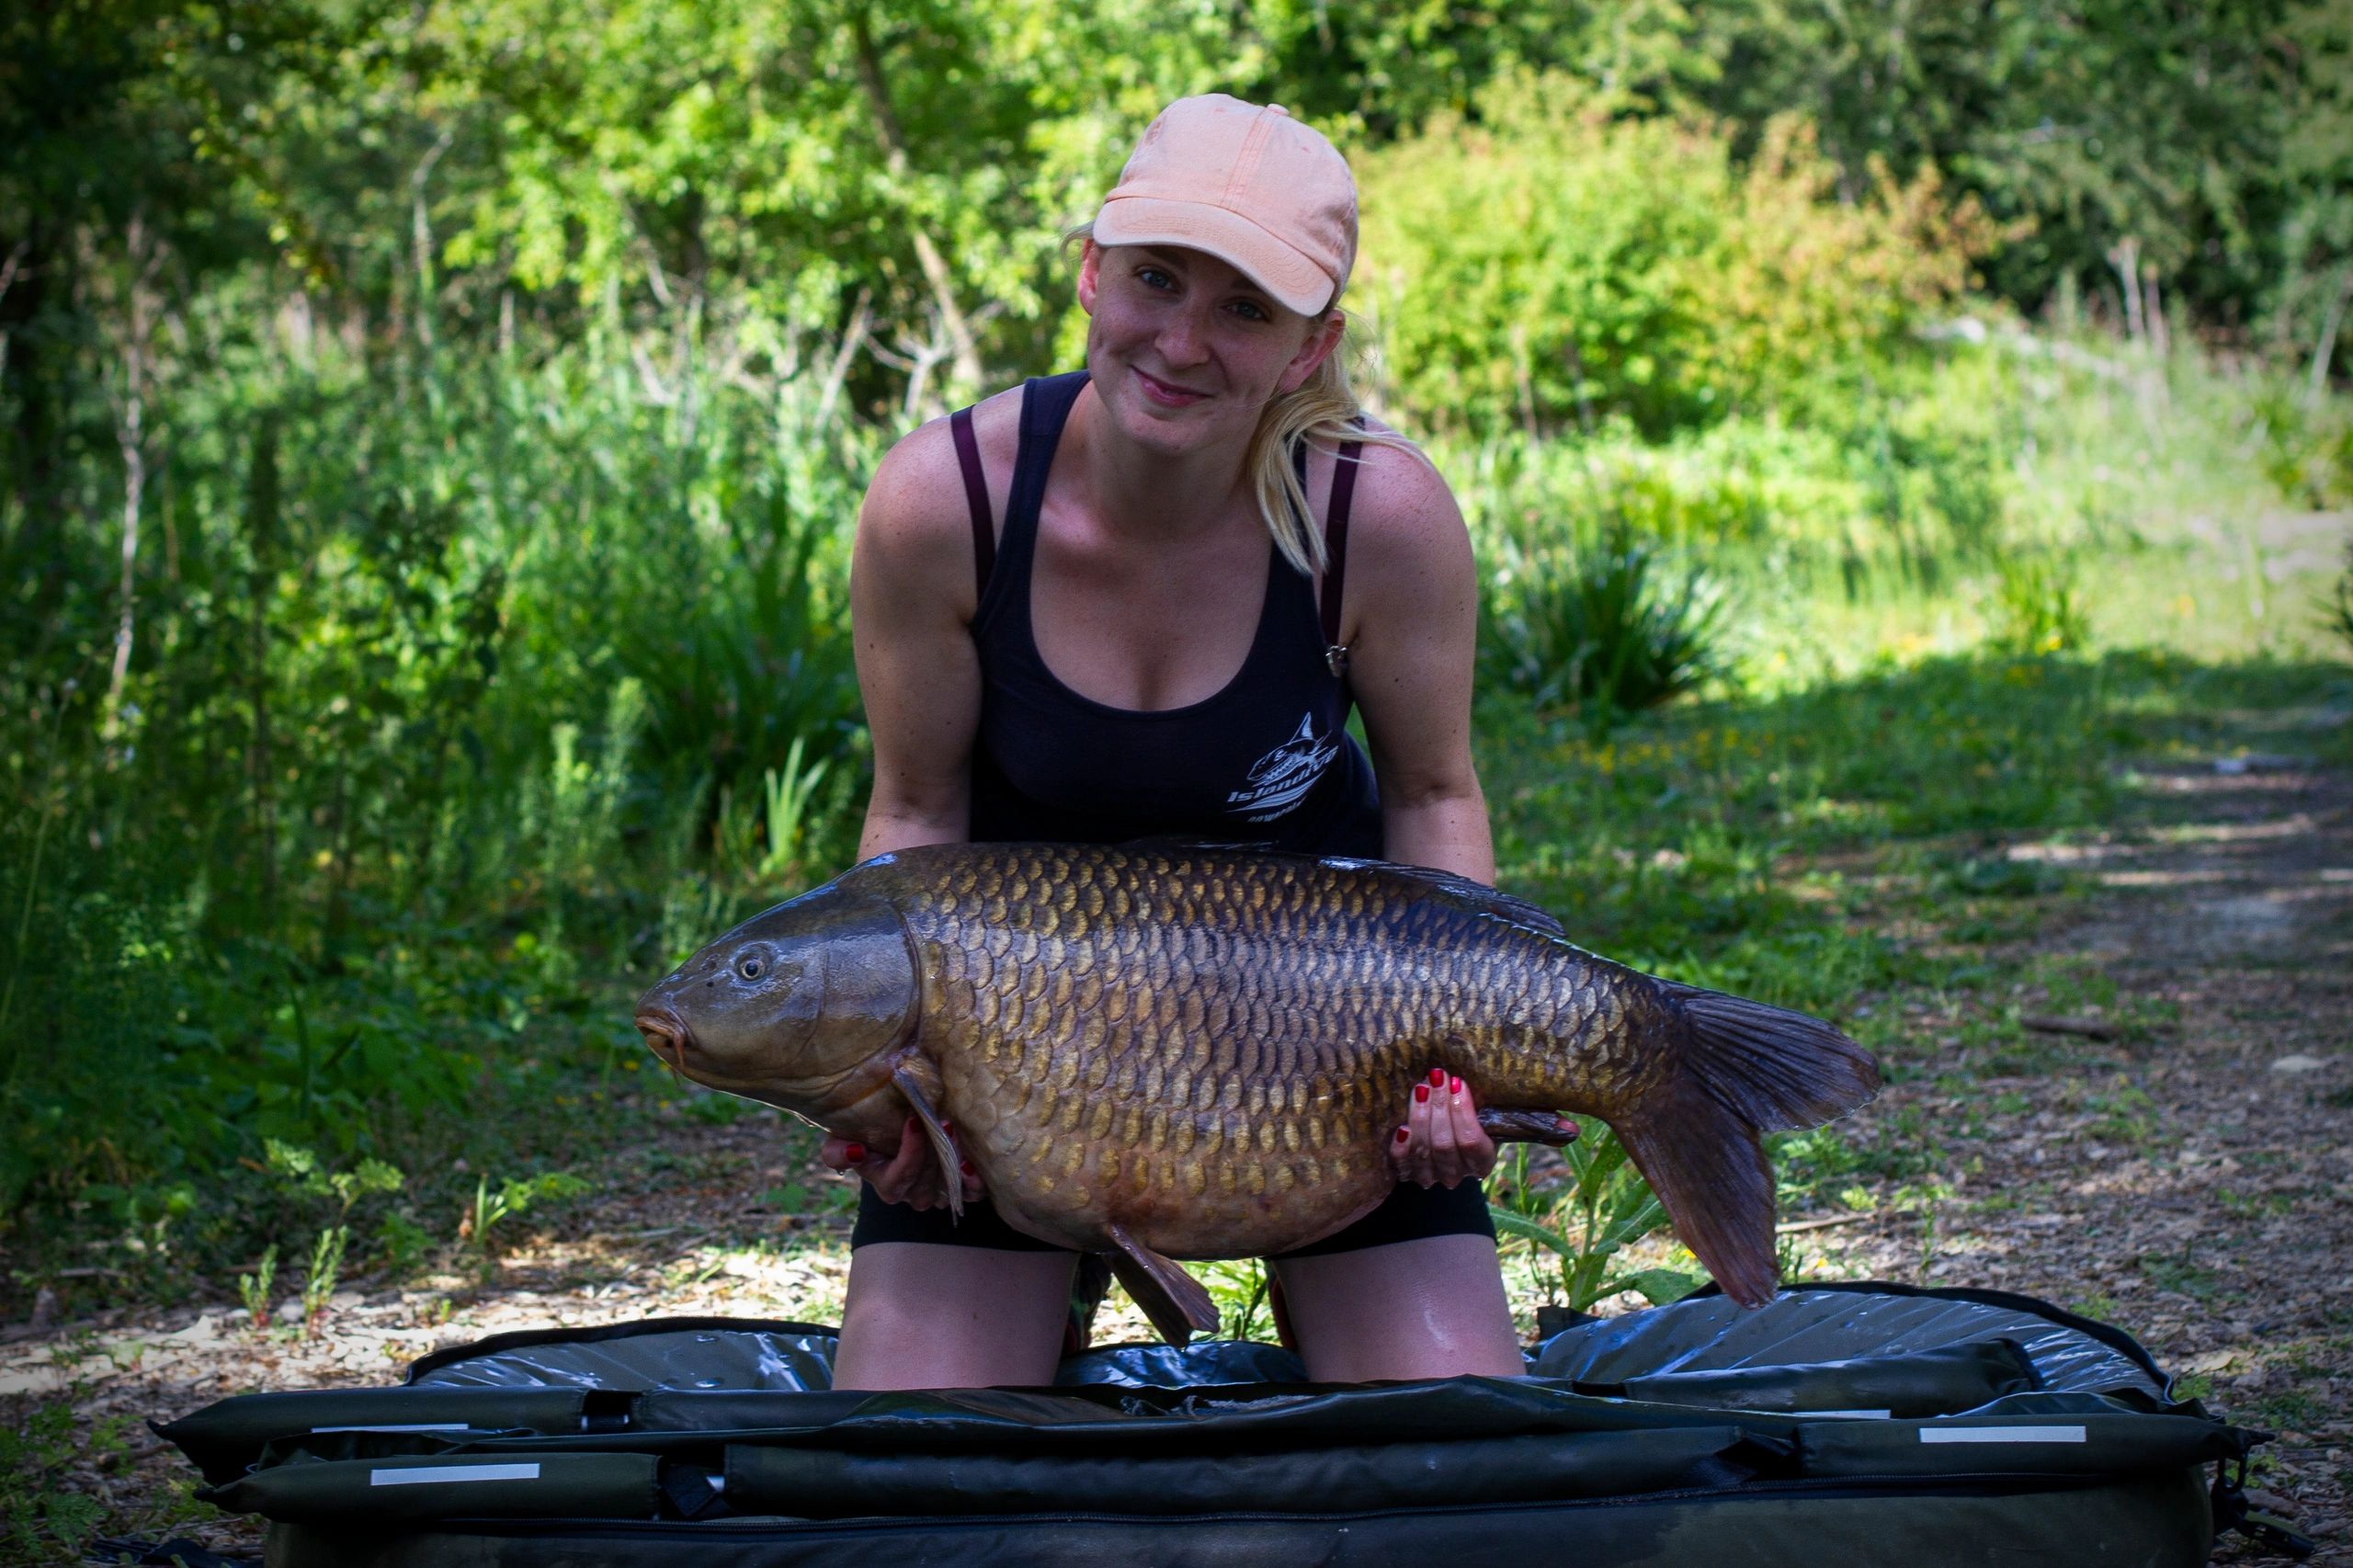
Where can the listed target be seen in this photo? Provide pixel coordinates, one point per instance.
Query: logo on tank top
(1281, 779)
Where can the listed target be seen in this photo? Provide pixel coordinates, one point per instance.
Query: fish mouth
(665, 1035)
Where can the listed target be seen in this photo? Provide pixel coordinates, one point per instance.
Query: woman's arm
(912, 599)
(1411, 624)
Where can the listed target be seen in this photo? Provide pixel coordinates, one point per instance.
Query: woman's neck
(1133, 490)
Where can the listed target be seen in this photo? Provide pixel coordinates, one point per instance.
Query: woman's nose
(1183, 340)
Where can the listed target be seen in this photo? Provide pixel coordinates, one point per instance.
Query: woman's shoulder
(916, 510)
(1402, 515)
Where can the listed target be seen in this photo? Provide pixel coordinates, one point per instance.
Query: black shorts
(1408, 1214)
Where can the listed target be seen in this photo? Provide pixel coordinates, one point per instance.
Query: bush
(2038, 609)
(1608, 629)
(1552, 264)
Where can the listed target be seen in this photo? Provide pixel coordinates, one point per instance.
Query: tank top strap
(976, 498)
(1335, 552)
(1046, 403)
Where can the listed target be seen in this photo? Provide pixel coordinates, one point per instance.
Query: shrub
(1551, 264)
(1608, 628)
(2038, 609)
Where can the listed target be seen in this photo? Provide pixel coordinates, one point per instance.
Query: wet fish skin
(1199, 1053)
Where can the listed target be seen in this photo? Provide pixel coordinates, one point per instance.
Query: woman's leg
(924, 1315)
(1432, 1307)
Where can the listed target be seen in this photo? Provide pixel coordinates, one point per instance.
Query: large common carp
(1162, 1053)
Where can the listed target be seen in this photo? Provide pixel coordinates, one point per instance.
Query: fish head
(800, 1006)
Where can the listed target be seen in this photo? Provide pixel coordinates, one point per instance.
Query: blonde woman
(1138, 600)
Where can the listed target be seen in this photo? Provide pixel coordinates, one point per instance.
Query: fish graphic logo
(1281, 779)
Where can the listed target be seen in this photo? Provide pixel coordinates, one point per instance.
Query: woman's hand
(1442, 1142)
(911, 1176)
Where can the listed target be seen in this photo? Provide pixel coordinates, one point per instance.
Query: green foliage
(302, 1169)
(2040, 609)
(787, 818)
(1602, 1208)
(318, 1280)
(1609, 628)
(512, 1197)
(2340, 612)
(1553, 264)
(252, 1289)
(44, 1520)
(1239, 1288)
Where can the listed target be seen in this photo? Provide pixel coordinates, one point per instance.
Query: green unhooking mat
(1863, 1423)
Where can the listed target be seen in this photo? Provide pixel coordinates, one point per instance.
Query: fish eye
(751, 967)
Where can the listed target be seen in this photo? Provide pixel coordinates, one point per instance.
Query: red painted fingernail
(1437, 1076)
(1403, 1136)
(855, 1153)
(1421, 1093)
(1454, 1086)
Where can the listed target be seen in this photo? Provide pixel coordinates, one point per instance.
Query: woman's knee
(1427, 1308)
(920, 1315)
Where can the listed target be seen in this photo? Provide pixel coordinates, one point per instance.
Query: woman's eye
(1153, 277)
(750, 969)
(1251, 310)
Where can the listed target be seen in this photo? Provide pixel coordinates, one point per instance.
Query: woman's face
(1185, 351)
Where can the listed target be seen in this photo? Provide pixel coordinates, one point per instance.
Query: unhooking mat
(1865, 1422)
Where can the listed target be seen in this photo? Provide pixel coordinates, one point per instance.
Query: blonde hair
(1321, 411)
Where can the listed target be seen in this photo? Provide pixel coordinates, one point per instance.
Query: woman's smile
(1165, 393)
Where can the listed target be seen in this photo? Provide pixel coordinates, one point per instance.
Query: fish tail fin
(1748, 1069)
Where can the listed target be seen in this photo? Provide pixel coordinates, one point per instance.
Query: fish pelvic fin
(1748, 1069)
(1177, 1304)
(918, 1081)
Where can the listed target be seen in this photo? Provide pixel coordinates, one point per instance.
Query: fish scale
(1166, 1053)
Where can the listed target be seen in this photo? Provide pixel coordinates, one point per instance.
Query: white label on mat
(403, 1426)
(454, 1473)
(2002, 1434)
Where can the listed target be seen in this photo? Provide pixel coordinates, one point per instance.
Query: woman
(1130, 655)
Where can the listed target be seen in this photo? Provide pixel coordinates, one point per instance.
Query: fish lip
(662, 1026)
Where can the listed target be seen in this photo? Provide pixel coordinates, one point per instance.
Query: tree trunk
(936, 271)
(2125, 258)
(144, 256)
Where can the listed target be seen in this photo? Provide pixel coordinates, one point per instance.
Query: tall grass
(442, 670)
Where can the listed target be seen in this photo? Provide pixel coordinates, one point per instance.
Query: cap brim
(1296, 282)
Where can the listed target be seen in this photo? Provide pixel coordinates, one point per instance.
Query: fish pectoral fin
(918, 1080)
(1526, 1127)
(1177, 1304)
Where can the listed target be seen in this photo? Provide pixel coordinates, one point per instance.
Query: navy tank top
(1265, 760)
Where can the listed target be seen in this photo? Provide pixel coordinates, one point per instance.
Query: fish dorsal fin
(1177, 1304)
(1172, 842)
(1480, 896)
(1487, 900)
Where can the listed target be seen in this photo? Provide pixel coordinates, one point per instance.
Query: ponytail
(1322, 413)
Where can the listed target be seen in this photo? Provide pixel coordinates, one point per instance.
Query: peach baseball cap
(1249, 184)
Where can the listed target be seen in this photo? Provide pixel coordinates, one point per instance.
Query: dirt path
(2177, 1158)
(2189, 1177)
